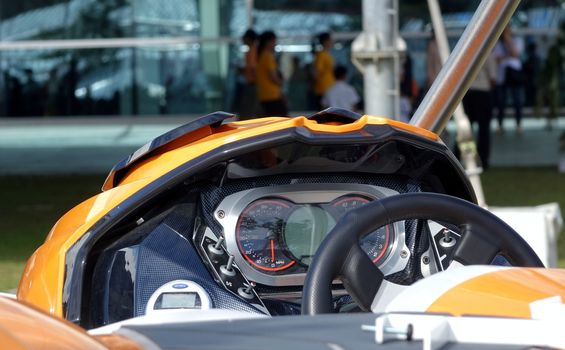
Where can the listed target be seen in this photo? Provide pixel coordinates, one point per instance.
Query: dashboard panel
(273, 232)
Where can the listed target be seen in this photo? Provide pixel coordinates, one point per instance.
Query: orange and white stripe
(482, 290)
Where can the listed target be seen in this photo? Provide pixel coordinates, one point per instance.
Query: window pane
(66, 82)
(308, 18)
(166, 18)
(75, 19)
(172, 79)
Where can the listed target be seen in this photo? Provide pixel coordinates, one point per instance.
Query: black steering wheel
(340, 256)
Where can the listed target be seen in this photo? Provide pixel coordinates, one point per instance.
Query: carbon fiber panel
(164, 256)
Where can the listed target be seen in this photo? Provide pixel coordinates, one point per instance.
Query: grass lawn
(527, 187)
(29, 206)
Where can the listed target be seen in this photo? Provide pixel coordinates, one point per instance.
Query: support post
(464, 130)
(463, 64)
(459, 70)
(375, 53)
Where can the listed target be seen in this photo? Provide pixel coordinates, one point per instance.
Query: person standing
(478, 106)
(551, 75)
(51, 90)
(323, 68)
(531, 68)
(269, 80)
(509, 77)
(408, 90)
(31, 93)
(341, 94)
(298, 86)
(433, 61)
(249, 105)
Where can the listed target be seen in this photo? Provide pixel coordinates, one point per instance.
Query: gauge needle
(272, 250)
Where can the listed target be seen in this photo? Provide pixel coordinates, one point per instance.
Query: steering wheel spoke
(476, 247)
(384, 296)
(361, 278)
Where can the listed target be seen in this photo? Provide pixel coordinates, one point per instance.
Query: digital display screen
(186, 300)
(305, 230)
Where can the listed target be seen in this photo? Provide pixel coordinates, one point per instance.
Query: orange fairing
(24, 328)
(185, 148)
(43, 278)
(502, 293)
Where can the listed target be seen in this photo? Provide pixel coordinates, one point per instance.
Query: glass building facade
(169, 57)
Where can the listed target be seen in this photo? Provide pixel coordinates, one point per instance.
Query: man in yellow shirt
(323, 68)
(268, 80)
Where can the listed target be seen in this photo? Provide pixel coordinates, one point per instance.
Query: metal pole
(463, 64)
(465, 140)
(249, 10)
(379, 80)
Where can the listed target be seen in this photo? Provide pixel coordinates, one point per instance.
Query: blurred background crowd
(139, 57)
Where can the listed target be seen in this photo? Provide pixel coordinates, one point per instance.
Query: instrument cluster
(274, 232)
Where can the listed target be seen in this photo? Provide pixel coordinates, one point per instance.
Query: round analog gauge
(259, 231)
(377, 243)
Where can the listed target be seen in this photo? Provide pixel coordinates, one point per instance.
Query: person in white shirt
(341, 94)
(509, 77)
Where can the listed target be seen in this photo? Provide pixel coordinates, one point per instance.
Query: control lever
(447, 241)
(227, 269)
(246, 292)
(216, 248)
